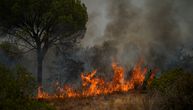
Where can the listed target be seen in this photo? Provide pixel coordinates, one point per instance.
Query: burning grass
(94, 86)
(98, 94)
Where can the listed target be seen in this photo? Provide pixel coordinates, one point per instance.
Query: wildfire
(41, 94)
(93, 86)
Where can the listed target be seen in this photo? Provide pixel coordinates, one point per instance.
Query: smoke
(97, 21)
(149, 29)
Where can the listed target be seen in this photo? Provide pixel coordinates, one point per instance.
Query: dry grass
(109, 102)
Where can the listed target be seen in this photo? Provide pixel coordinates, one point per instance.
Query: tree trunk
(40, 58)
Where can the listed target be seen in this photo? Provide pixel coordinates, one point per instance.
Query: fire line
(93, 86)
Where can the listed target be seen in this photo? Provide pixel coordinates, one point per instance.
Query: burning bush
(176, 88)
(16, 89)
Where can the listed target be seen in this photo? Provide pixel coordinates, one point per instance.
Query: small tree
(40, 24)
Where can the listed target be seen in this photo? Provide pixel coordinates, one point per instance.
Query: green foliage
(176, 88)
(25, 81)
(16, 89)
(41, 24)
(52, 15)
(167, 79)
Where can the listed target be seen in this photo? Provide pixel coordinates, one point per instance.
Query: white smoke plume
(149, 29)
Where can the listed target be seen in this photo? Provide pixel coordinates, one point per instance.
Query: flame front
(93, 86)
(41, 94)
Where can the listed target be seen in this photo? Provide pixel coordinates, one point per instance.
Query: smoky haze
(125, 31)
(156, 31)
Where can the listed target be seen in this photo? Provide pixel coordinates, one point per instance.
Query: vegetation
(41, 24)
(109, 102)
(172, 91)
(17, 90)
(175, 87)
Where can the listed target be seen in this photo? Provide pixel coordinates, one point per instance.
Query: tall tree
(41, 24)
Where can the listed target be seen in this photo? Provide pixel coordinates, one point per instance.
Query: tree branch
(28, 51)
(24, 39)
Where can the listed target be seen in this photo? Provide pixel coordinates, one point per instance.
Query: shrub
(16, 90)
(175, 86)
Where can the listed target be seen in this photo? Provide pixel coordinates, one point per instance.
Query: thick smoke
(156, 31)
(125, 31)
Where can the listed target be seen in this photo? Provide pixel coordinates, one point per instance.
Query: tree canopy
(42, 20)
(40, 24)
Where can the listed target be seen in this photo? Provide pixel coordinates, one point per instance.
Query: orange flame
(92, 85)
(41, 94)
